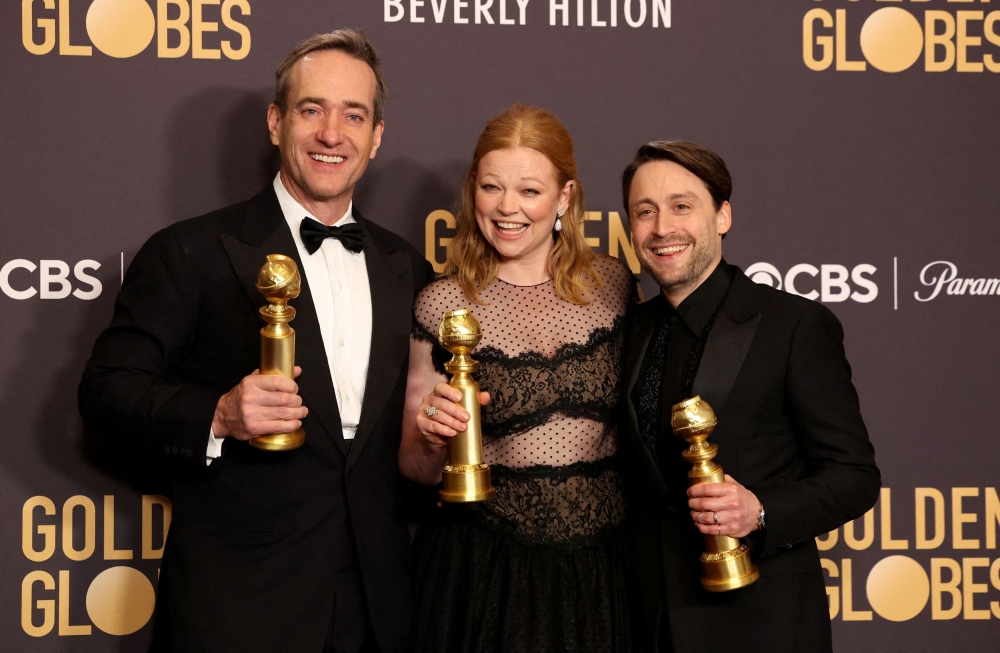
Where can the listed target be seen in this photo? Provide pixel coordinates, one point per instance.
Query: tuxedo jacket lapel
(726, 349)
(391, 283)
(266, 232)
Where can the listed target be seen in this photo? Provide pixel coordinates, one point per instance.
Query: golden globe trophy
(466, 478)
(726, 563)
(279, 282)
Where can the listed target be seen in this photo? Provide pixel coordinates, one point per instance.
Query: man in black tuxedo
(790, 433)
(304, 550)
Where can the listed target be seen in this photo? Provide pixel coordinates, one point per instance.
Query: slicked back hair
(700, 161)
(351, 42)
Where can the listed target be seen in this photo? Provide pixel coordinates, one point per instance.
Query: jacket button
(173, 449)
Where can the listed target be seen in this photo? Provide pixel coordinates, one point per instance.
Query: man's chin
(666, 278)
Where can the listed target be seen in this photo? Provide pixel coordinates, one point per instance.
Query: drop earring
(558, 225)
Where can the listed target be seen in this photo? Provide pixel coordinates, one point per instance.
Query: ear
(274, 122)
(566, 195)
(376, 138)
(724, 218)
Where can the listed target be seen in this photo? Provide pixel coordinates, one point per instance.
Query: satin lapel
(639, 338)
(266, 232)
(391, 282)
(726, 349)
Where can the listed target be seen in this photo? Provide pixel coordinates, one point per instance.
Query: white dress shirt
(338, 282)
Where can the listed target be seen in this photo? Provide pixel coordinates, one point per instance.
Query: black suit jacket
(264, 547)
(790, 430)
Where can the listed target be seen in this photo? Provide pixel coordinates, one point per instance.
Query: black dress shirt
(679, 338)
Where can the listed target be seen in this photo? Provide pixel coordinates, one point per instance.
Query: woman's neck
(525, 272)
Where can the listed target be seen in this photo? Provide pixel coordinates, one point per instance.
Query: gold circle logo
(891, 39)
(120, 28)
(120, 601)
(898, 588)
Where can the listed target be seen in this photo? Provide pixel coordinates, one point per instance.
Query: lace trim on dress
(528, 389)
(576, 505)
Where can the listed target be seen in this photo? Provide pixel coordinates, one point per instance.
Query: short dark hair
(351, 42)
(700, 161)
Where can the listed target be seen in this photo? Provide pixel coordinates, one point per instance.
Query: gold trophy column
(279, 282)
(726, 563)
(466, 477)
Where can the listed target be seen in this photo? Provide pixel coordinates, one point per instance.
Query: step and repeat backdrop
(862, 136)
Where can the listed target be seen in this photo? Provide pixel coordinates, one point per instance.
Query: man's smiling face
(326, 134)
(676, 229)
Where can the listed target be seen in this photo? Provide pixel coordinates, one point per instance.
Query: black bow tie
(313, 233)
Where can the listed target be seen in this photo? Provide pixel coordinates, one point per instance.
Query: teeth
(672, 249)
(327, 159)
(511, 225)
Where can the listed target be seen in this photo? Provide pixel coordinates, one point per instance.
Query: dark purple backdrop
(837, 168)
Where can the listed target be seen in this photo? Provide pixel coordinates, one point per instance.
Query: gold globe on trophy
(466, 477)
(726, 563)
(279, 282)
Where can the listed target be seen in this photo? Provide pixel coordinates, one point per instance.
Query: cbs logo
(124, 28)
(53, 279)
(836, 283)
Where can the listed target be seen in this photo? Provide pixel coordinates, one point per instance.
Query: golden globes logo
(119, 599)
(612, 239)
(963, 582)
(892, 39)
(124, 28)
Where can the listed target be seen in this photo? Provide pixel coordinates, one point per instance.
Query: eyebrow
(534, 179)
(670, 198)
(350, 104)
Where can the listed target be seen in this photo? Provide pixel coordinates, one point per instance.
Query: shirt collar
(294, 212)
(699, 307)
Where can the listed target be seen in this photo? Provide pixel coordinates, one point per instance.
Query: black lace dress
(542, 566)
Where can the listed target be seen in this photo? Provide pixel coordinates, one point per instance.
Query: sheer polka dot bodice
(552, 369)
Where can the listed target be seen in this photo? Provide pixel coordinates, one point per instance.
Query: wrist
(218, 427)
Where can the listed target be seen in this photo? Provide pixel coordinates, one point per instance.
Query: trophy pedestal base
(280, 441)
(728, 570)
(466, 484)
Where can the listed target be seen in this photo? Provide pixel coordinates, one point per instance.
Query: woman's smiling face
(517, 198)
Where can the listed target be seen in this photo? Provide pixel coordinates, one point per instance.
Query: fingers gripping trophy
(726, 563)
(465, 478)
(279, 281)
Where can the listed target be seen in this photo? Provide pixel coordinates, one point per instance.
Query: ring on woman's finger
(720, 530)
(430, 411)
(715, 517)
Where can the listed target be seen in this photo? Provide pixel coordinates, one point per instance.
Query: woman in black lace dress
(539, 568)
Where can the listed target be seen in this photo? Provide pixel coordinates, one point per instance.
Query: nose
(664, 225)
(508, 203)
(329, 133)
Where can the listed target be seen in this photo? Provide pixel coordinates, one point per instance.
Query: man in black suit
(790, 433)
(304, 550)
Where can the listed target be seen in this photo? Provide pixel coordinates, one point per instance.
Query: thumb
(484, 398)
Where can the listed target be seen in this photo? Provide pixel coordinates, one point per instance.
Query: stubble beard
(701, 257)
